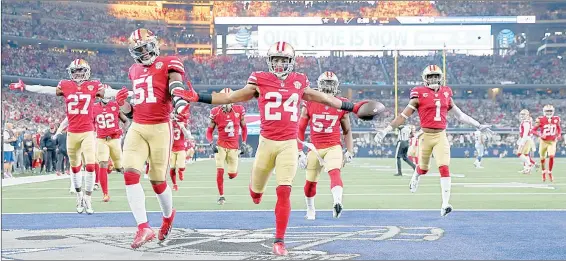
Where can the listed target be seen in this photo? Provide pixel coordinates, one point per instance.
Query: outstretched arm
(245, 94)
(347, 132)
(62, 126)
(244, 129)
(320, 97)
(20, 85)
(463, 117)
(303, 122)
(210, 130)
(401, 118)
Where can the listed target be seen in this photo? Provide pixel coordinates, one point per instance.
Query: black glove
(214, 149)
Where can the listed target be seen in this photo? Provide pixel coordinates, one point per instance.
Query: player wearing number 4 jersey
(550, 132)
(154, 78)
(432, 102)
(325, 123)
(79, 93)
(279, 93)
(229, 119)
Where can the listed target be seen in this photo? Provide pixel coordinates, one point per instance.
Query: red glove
(20, 85)
(121, 96)
(188, 95)
(358, 105)
(183, 116)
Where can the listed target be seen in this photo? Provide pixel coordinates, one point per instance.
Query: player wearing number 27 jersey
(432, 101)
(550, 132)
(279, 93)
(229, 119)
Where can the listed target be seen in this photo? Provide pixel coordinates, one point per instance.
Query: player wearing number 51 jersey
(154, 78)
(325, 123)
(550, 132)
(107, 117)
(432, 102)
(279, 93)
(79, 93)
(229, 119)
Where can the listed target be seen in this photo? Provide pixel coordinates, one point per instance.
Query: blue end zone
(369, 234)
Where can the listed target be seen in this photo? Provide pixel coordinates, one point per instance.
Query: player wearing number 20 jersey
(550, 132)
(325, 123)
(432, 102)
(228, 119)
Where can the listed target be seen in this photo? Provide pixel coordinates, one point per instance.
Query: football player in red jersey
(80, 93)
(178, 152)
(154, 78)
(279, 93)
(190, 151)
(432, 101)
(325, 123)
(525, 141)
(108, 133)
(550, 132)
(229, 119)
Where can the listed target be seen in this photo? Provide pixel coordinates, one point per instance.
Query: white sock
(136, 199)
(77, 179)
(72, 183)
(337, 194)
(89, 181)
(445, 185)
(310, 202)
(525, 160)
(166, 202)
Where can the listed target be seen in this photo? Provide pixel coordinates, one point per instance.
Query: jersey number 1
(289, 105)
(437, 113)
(139, 91)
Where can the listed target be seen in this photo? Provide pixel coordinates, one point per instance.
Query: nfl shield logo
(297, 84)
(113, 108)
(90, 87)
(446, 94)
(282, 84)
(159, 65)
(237, 115)
(326, 107)
(425, 95)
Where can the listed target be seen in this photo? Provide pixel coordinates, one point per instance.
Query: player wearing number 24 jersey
(325, 123)
(154, 78)
(432, 101)
(550, 132)
(279, 93)
(229, 119)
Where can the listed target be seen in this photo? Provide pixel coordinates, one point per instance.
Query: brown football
(370, 110)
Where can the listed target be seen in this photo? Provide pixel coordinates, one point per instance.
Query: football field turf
(498, 214)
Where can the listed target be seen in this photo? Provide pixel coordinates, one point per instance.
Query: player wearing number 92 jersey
(154, 78)
(432, 101)
(279, 93)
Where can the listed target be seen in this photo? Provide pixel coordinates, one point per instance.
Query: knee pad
(232, 175)
(159, 188)
(444, 171)
(76, 169)
(90, 167)
(131, 178)
(310, 189)
(421, 171)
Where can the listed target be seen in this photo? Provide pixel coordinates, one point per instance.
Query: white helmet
(328, 83)
(433, 76)
(285, 50)
(548, 110)
(524, 114)
(79, 70)
(226, 107)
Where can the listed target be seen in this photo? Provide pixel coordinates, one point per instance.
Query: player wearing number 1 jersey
(229, 119)
(550, 132)
(107, 116)
(79, 93)
(279, 93)
(325, 123)
(432, 101)
(154, 78)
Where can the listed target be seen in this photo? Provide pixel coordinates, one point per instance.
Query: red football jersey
(228, 124)
(550, 127)
(433, 106)
(325, 124)
(190, 144)
(278, 103)
(179, 139)
(107, 120)
(525, 128)
(79, 101)
(152, 100)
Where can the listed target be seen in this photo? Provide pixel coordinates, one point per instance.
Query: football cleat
(221, 200)
(414, 184)
(80, 203)
(311, 214)
(166, 226)
(88, 205)
(279, 249)
(143, 236)
(445, 210)
(337, 210)
(96, 186)
(106, 198)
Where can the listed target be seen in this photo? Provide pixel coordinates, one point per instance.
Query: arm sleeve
(303, 122)
(244, 133)
(42, 89)
(209, 132)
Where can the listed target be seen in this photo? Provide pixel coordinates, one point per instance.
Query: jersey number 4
(276, 100)
(141, 87)
(73, 104)
(229, 128)
(319, 127)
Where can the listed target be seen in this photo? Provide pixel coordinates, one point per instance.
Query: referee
(403, 136)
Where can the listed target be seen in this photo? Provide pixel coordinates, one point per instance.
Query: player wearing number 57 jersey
(107, 117)
(229, 119)
(550, 132)
(432, 101)
(79, 93)
(279, 93)
(325, 123)
(154, 78)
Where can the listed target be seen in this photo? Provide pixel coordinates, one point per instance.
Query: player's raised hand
(188, 95)
(183, 116)
(380, 136)
(121, 96)
(20, 85)
(302, 160)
